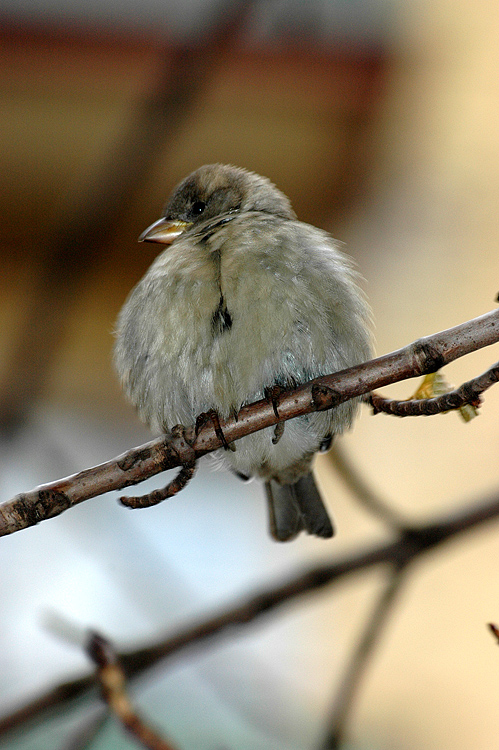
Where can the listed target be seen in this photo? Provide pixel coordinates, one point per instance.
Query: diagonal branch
(399, 553)
(112, 682)
(419, 358)
(359, 661)
(362, 492)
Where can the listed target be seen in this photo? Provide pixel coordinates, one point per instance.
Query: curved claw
(212, 416)
(272, 394)
(278, 432)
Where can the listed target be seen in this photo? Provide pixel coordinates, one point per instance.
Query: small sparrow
(245, 300)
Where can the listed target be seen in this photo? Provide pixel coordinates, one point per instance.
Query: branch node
(99, 650)
(180, 444)
(130, 460)
(324, 397)
(427, 357)
(417, 540)
(112, 682)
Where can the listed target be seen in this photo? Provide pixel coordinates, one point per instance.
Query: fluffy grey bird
(244, 298)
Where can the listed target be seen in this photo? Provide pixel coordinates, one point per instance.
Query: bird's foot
(272, 394)
(212, 416)
(180, 445)
(278, 432)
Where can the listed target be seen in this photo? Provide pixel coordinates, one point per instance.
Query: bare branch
(113, 687)
(494, 630)
(360, 660)
(188, 458)
(419, 358)
(362, 492)
(468, 393)
(407, 548)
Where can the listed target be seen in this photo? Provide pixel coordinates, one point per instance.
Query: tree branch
(362, 492)
(398, 554)
(112, 682)
(360, 659)
(419, 358)
(494, 630)
(467, 393)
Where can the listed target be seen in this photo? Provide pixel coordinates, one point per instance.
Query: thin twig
(360, 659)
(421, 357)
(113, 687)
(406, 548)
(362, 492)
(468, 393)
(494, 630)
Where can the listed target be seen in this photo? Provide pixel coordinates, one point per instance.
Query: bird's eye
(197, 208)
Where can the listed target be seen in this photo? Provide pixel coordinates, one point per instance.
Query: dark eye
(197, 208)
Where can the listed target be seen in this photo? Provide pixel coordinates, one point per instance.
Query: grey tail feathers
(297, 507)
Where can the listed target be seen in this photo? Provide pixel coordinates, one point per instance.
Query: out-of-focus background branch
(394, 558)
(380, 121)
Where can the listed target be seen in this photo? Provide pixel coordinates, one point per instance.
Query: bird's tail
(297, 507)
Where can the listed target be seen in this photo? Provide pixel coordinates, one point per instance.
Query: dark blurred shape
(71, 252)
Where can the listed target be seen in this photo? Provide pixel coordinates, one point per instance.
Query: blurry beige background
(383, 128)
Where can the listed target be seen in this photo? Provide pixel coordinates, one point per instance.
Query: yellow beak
(164, 231)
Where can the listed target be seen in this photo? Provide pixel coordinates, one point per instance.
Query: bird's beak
(164, 231)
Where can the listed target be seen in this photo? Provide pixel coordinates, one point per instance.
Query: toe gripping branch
(272, 394)
(212, 416)
(187, 456)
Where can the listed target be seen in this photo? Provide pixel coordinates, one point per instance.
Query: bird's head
(216, 191)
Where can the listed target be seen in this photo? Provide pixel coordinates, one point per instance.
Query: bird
(245, 300)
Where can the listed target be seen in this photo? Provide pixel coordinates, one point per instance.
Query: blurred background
(380, 120)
